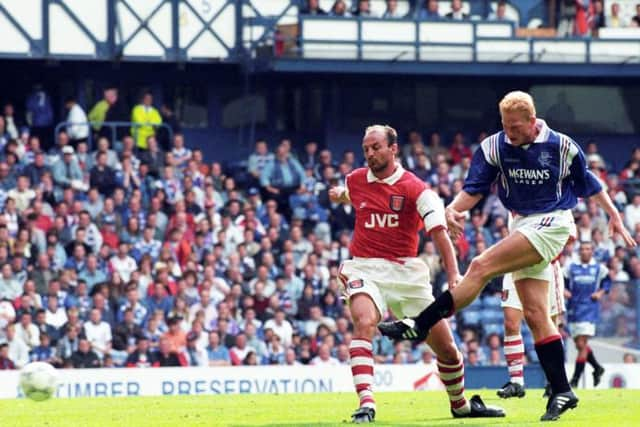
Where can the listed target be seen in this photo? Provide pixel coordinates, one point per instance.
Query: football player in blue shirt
(540, 175)
(587, 281)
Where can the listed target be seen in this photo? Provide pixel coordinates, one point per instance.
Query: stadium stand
(164, 246)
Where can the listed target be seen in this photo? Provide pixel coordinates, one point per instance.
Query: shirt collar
(390, 180)
(543, 135)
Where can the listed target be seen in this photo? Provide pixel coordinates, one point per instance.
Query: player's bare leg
(533, 294)
(510, 254)
(513, 253)
(365, 318)
(513, 353)
(451, 369)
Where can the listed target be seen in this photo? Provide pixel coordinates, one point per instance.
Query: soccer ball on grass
(38, 381)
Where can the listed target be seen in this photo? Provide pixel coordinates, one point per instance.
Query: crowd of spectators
(128, 254)
(574, 17)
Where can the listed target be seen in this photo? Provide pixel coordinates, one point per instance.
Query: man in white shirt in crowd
(281, 327)
(98, 333)
(77, 131)
(27, 331)
(123, 263)
(324, 357)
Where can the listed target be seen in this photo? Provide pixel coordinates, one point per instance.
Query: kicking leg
(510, 254)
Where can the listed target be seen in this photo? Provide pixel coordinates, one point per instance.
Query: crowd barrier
(282, 379)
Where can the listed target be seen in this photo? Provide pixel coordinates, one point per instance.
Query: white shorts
(548, 233)
(582, 328)
(511, 299)
(400, 286)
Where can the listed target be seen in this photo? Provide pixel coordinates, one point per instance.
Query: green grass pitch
(616, 408)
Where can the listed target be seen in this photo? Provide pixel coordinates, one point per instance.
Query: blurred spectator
(614, 20)
(280, 327)
(40, 115)
(98, 333)
(312, 8)
(567, 18)
(500, 13)
(68, 344)
(281, 177)
(392, 10)
(195, 356)
(12, 125)
(456, 13)
(635, 20)
(141, 357)
(84, 357)
(67, 172)
(597, 18)
(632, 213)
(5, 361)
(339, 8)
(629, 358)
(217, 353)
(18, 349)
(43, 352)
(166, 357)
(324, 357)
(427, 10)
(145, 118)
(363, 9)
(77, 128)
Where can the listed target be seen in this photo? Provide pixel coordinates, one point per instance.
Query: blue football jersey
(582, 281)
(546, 175)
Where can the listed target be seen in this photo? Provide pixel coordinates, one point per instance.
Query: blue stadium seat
(492, 301)
(471, 317)
(493, 328)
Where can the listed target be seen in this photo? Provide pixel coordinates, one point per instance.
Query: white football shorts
(401, 285)
(511, 299)
(548, 233)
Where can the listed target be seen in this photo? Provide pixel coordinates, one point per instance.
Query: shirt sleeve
(583, 182)
(431, 210)
(484, 167)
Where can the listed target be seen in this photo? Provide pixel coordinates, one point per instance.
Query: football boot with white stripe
(558, 404)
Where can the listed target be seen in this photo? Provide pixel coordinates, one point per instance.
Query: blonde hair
(518, 101)
(391, 134)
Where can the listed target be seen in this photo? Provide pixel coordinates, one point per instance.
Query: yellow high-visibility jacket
(148, 116)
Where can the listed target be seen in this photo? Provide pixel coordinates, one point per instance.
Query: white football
(38, 381)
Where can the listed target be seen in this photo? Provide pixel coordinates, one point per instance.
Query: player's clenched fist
(338, 194)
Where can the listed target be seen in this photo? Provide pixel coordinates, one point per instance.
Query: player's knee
(480, 268)
(511, 326)
(448, 353)
(535, 314)
(365, 325)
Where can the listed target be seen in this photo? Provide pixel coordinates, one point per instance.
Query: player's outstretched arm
(339, 195)
(615, 222)
(455, 212)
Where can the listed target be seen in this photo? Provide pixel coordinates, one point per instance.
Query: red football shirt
(390, 212)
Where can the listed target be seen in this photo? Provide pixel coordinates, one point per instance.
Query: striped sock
(514, 353)
(361, 353)
(452, 376)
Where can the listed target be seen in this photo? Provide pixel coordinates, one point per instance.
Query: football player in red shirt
(391, 206)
